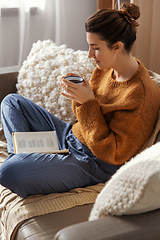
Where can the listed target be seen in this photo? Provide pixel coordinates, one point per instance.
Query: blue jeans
(38, 173)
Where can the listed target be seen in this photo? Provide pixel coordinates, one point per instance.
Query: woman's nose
(90, 53)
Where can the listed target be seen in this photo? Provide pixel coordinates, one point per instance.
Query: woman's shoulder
(142, 72)
(144, 76)
(151, 89)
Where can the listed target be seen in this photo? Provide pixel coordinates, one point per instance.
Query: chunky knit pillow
(134, 188)
(40, 76)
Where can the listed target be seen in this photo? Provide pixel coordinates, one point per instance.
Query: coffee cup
(74, 79)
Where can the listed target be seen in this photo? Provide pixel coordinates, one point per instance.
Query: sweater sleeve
(74, 106)
(123, 136)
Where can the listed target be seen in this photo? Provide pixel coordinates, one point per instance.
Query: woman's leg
(19, 114)
(35, 173)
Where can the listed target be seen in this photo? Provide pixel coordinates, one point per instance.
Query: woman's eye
(95, 48)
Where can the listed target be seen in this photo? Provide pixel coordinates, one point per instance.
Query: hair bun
(131, 12)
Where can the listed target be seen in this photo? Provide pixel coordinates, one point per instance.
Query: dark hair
(115, 25)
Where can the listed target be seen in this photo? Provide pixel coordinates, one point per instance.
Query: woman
(116, 113)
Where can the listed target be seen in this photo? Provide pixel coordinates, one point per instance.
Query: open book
(41, 142)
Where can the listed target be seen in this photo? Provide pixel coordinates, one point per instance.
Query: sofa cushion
(155, 77)
(45, 227)
(40, 76)
(143, 226)
(134, 188)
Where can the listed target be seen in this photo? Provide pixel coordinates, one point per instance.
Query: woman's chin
(100, 67)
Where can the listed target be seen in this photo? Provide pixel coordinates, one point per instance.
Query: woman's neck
(126, 68)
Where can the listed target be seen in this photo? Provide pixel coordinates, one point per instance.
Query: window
(7, 4)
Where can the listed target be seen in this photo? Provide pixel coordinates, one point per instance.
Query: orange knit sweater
(119, 121)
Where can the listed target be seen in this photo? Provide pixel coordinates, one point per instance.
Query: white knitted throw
(129, 184)
(40, 76)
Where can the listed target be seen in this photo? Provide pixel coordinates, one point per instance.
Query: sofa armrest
(136, 227)
(7, 83)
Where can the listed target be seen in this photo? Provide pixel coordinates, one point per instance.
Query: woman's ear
(118, 47)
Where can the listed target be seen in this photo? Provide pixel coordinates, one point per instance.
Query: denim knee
(8, 100)
(10, 177)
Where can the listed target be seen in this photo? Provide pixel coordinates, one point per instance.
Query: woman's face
(104, 56)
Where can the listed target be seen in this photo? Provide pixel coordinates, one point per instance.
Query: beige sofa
(64, 216)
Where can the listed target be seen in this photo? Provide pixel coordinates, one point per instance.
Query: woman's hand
(80, 93)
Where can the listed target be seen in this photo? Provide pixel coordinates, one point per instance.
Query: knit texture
(131, 186)
(119, 121)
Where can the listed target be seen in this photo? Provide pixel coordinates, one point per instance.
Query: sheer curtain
(147, 47)
(61, 21)
(36, 22)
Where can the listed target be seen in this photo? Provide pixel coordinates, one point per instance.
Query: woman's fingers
(70, 74)
(77, 92)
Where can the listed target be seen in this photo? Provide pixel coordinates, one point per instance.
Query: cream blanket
(14, 209)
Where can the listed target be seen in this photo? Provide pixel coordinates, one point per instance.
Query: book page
(35, 142)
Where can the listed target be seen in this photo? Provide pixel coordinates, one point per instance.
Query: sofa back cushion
(8, 83)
